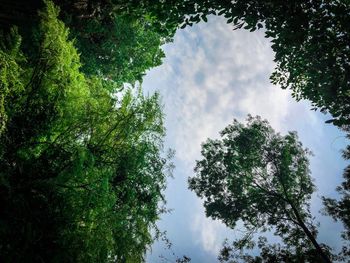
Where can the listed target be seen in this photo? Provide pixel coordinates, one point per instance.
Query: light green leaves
(81, 166)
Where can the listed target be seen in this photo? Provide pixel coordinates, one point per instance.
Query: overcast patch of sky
(211, 75)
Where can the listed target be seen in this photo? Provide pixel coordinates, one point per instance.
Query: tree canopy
(118, 47)
(82, 165)
(310, 39)
(81, 169)
(260, 177)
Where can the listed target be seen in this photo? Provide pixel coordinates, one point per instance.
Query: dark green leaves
(258, 176)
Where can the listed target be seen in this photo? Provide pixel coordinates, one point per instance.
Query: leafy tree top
(253, 174)
(82, 169)
(260, 177)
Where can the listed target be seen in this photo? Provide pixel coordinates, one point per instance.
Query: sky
(210, 76)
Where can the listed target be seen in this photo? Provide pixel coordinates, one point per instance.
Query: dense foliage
(119, 47)
(310, 40)
(81, 166)
(257, 176)
(112, 43)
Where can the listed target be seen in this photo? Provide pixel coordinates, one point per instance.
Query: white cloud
(208, 233)
(210, 76)
(224, 76)
(269, 102)
(217, 75)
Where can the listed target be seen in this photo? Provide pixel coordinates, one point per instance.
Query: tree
(271, 253)
(10, 57)
(310, 40)
(112, 43)
(257, 176)
(82, 169)
(117, 46)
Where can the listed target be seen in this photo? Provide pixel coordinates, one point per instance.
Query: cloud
(215, 75)
(208, 233)
(210, 76)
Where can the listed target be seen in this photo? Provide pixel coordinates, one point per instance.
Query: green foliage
(10, 70)
(273, 253)
(121, 50)
(81, 168)
(310, 40)
(259, 177)
(252, 171)
(154, 14)
(339, 209)
(114, 43)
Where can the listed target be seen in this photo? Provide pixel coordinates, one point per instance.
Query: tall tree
(81, 167)
(260, 177)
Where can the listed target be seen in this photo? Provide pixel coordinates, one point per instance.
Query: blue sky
(212, 74)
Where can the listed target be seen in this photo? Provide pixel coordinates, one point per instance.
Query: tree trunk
(323, 255)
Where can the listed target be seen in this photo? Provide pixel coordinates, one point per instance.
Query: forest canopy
(83, 167)
(262, 178)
